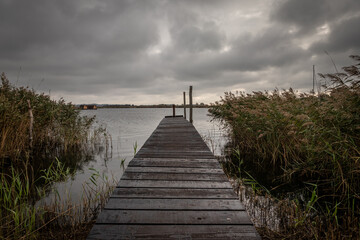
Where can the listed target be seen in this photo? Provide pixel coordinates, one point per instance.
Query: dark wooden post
(313, 91)
(184, 104)
(173, 110)
(191, 106)
(31, 124)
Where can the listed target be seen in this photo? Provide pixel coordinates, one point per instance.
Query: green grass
(21, 219)
(288, 141)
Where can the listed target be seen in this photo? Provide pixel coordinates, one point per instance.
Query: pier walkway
(174, 188)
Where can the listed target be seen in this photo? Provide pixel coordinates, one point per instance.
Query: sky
(149, 52)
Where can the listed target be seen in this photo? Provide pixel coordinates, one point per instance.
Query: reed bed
(55, 126)
(60, 218)
(38, 139)
(303, 148)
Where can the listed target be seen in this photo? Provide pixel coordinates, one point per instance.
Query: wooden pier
(174, 188)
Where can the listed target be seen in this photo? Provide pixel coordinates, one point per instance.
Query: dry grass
(57, 127)
(29, 168)
(304, 148)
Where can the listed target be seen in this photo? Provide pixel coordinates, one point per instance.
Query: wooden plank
(175, 146)
(175, 204)
(169, 155)
(185, 152)
(169, 193)
(107, 232)
(174, 170)
(173, 184)
(201, 160)
(175, 176)
(172, 217)
(180, 163)
(170, 147)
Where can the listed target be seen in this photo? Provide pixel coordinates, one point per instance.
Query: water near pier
(129, 128)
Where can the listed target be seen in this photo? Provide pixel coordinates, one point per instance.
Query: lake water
(129, 127)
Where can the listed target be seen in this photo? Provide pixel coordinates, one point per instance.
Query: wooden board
(114, 231)
(175, 176)
(175, 204)
(169, 193)
(173, 184)
(174, 188)
(181, 163)
(172, 217)
(174, 170)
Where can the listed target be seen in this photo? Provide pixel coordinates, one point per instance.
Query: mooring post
(173, 110)
(184, 93)
(31, 125)
(191, 106)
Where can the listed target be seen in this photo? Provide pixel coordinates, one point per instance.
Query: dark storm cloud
(191, 38)
(271, 48)
(108, 51)
(307, 15)
(344, 36)
(325, 26)
(75, 32)
(77, 46)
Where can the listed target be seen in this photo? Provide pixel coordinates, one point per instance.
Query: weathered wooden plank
(200, 160)
(167, 163)
(177, 152)
(173, 184)
(107, 232)
(175, 176)
(169, 155)
(174, 170)
(171, 147)
(175, 204)
(189, 145)
(172, 140)
(172, 217)
(169, 193)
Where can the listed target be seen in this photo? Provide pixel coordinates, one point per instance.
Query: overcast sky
(149, 52)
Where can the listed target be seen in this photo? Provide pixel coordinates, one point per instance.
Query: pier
(174, 188)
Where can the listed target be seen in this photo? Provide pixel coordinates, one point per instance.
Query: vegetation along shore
(301, 151)
(38, 139)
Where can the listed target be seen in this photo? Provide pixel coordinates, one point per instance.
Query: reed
(289, 141)
(43, 141)
(57, 125)
(20, 218)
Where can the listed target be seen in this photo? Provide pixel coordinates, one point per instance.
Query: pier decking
(174, 188)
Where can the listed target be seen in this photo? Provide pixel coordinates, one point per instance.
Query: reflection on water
(127, 127)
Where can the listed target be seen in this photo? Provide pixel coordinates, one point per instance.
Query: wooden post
(184, 104)
(173, 110)
(191, 106)
(313, 91)
(30, 125)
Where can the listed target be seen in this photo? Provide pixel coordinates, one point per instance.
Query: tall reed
(57, 125)
(20, 218)
(289, 141)
(38, 141)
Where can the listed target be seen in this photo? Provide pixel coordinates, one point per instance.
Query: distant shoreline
(99, 106)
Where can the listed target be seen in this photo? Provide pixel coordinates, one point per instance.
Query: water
(129, 127)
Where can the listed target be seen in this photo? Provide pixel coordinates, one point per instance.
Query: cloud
(344, 37)
(150, 51)
(307, 15)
